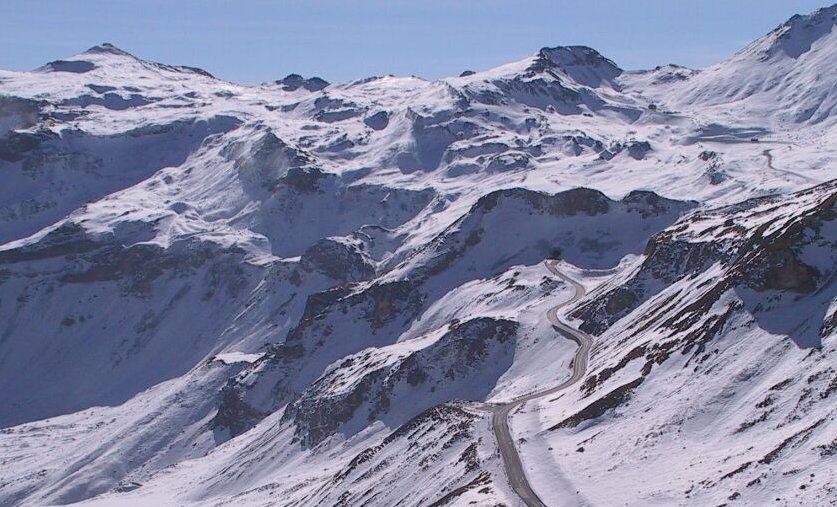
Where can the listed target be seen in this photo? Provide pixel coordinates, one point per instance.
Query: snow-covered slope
(719, 359)
(304, 293)
(784, 75)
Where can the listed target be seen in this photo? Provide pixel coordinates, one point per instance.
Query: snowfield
(303, 293)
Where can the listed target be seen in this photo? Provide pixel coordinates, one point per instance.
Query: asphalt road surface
(769, 156)
(500, 413)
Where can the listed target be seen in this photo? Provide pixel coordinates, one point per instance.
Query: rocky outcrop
(568, 225)
(335, 323)
(444, 437)
(377, 121)
(599, 407)
(269, 161)
(582, 64)
(342, 259)
(391, 386)
(293, 82)
(780, 253)
(234, 416)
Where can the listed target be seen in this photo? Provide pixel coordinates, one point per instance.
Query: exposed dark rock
(329, 109)
(18, 113)
(707, 155)
(377, 121)
(16, 146)
(67, 239)
(481, 480)
(293, 82)
(638, 149)
(194, 70)
(113, 101)
(599, 407)
(233, 414)
(303, 179)
(270, 160)
(584, 65)
(417, 442)
(471, 351)
(433, 135)
(106, 48)
(601, 377)
(74, 66)
(340, 259)
(101, 89)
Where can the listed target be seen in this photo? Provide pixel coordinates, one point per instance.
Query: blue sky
(251, 41)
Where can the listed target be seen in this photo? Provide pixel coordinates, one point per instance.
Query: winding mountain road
(500, 413)
(769, 156)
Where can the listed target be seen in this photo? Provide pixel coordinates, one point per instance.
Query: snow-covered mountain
(304, 293)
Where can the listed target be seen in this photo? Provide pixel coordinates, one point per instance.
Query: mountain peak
(107, 48)
(86, 61)
(574, 55)
(795, 37)
(583, 64)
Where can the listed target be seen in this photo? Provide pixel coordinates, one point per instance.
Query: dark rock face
(270, 160)
(234, 415)
(18, 113)
(335, 323)
(571, 202)
(667, 261)
(442, 437)
(473, 353)
(772, 261)
(101, 89)
(302, 179)
(15, 114)
(599, 407)
(638, 149)
(772, 256)
(74, 66)
(67, 239)
(388, 301)
(195, 70)
(106, 48)
(569, 225)
(293, 82)
(112, 101)
(329, 109)
(635, 149)
(340, 259)
(377, 121)
(584, 65)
